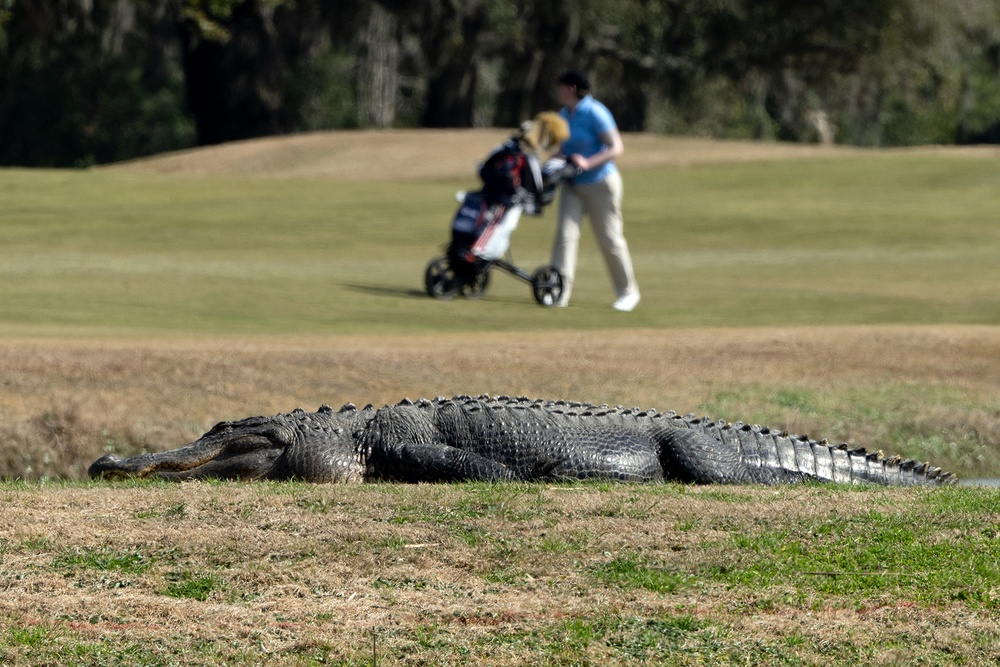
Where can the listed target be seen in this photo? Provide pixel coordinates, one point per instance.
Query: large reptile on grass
(502, 438)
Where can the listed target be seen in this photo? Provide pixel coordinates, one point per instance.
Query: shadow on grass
(417, 293)
(388, 291)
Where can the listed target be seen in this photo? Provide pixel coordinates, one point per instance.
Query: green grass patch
(872, 555)
(30, 637)
(191, 585)
(633, 571)
(41, 645)
(631, 638)
(103, 559)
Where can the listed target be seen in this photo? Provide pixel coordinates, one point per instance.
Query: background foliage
(95, 81)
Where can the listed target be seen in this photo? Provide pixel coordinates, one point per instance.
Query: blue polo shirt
(587, 122)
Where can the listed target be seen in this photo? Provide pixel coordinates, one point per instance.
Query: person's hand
(580, 162)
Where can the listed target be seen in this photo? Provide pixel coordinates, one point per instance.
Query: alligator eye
(221, 427)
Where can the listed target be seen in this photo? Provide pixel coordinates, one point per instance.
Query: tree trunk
(378, 78)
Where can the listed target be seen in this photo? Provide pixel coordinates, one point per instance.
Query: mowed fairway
(842, 293)
(859, 238)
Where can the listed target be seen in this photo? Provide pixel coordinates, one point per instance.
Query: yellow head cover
(545, 132)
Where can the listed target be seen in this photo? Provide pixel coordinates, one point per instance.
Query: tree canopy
(93, 81)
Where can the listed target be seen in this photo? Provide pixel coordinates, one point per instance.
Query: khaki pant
(601, 202)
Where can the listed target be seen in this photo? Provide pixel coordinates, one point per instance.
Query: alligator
(500, 438)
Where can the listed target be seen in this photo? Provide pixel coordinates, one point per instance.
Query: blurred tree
(938, 74)
(237, 64)
(85, 81)
(378, 75)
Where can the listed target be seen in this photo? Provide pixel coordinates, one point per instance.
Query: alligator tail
(770, 456)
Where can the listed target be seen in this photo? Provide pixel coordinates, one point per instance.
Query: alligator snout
(109, 466)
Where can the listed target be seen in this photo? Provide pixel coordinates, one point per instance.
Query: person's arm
(613, 147)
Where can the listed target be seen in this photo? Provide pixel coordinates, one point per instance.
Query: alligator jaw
(250, 457)
(111, 466)
(146, 465)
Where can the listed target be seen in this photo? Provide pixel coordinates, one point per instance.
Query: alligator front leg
(435, 462)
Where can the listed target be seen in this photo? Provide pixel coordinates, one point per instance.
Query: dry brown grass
(304, 575)
(63, 402)
(408, 155)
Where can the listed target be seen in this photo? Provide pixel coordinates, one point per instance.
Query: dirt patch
(410, 155)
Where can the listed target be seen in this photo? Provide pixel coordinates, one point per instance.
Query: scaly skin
(501, 438)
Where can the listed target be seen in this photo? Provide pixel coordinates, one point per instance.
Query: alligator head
(315, 447)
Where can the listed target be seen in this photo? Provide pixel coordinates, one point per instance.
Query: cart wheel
(547, 286)
(440, 280)
(477, 288)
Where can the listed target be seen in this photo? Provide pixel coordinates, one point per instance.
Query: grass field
(859, 239)
(841, 293)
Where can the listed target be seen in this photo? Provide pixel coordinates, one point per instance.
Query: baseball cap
(574, 77)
